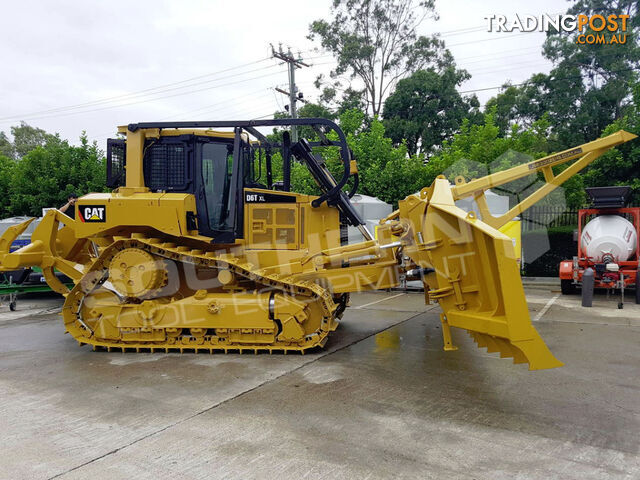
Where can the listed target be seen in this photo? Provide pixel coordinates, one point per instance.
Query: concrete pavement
(382, 401)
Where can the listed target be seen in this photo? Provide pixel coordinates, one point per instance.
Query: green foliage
(314, 110)
(620, 166)
(27, 138)
(46, 174)
(521, 105)
(7, 166)
(483, 145)
(308, 110)
(587, 92)
(376, 41)
(587, 89)
(591, 91)
(480, 149)
(385, 171)
(6, 146)
(426, 109)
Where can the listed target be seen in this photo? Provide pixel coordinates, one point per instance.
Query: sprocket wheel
(136, 273)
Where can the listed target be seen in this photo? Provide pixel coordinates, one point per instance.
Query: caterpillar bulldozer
(197, 248)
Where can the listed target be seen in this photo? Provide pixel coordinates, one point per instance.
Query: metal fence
(538, 217)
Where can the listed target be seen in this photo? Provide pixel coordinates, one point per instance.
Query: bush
(46, 175)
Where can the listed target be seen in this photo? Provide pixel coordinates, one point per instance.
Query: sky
(73, 66)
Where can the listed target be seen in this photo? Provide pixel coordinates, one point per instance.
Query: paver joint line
(546, 307)
(378, 301)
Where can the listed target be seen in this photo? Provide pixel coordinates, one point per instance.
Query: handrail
(280, 122)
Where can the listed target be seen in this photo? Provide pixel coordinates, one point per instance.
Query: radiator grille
(116, 161)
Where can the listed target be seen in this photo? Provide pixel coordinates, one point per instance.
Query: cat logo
(92, 213)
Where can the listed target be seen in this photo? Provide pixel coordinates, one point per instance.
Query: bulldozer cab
(218, 166)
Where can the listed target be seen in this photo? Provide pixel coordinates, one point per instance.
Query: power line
(546, 61)
(212, 107)
(463, 31)
(136, 93)
(190, 112)
(551, 80)
(507, 69)
(294, 96)
(158, 98)
(542, 62)
(277, 99)
(238, 108)
(268, 115)
(482, 60)
(497, 54)
(479, 58)
(205, 110)
(247, 110)
(524, 64)
(490, 39)
(34, 116)
(498, 87)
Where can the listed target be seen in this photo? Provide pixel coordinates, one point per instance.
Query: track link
(96, 275)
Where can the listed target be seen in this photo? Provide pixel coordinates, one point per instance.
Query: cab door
(215, 192)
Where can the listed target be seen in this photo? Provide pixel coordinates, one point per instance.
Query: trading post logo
(592, 29)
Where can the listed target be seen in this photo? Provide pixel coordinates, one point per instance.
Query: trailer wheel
(567, 287)
(12, 306)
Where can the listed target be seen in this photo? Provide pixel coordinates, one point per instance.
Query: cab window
(217, 167)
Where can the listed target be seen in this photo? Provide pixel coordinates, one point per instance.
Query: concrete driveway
(382, 401)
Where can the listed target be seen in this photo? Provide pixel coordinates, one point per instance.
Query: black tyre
(12, 306)
(567, 287)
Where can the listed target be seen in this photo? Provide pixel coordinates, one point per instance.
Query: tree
(587, 89)
(608, 67)
(385, 171)
(620, 166)
(351, 98)
(425, 109)
(308, 110)
(521, 105)
(376, 41)
(46, 175)
(26, 138)
(315, 110)
(478, 150)
(7, 166)
(6, 146)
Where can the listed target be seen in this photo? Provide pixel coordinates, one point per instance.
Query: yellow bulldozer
(197, 248)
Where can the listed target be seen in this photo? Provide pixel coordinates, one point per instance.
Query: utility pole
(293, 93)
